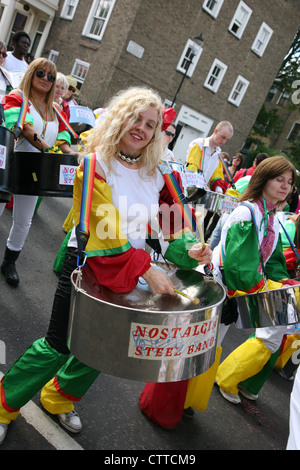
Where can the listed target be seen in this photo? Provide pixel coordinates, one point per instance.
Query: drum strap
(179, 198)
(82, 229)
(227, 172)
(5, 75)
(259, 248)
(23, 110)
(293, 246)
(72, 132)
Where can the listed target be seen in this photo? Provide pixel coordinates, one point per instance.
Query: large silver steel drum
(146, 337)
(38, 174)
(221, 203)
(276, 307)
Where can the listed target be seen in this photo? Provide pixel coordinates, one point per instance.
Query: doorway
(185, 136)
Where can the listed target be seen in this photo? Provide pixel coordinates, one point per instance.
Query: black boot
(8, 267)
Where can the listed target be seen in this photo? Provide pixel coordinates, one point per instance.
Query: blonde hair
(39, 64)
(122, 112)
(270, 168)
(221, 125)
(61, 78)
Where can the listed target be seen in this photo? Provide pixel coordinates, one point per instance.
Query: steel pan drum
(276, 307)
(6, 154)
(38, 174)
(221, 203)
(142, 336)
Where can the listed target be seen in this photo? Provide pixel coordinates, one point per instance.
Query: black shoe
(8, 267)
(188, 412)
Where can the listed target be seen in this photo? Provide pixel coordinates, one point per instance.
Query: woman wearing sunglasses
(5, 79)
(41, 130)
(71, 91)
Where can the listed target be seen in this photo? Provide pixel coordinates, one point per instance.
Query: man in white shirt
(203, 156)
(15, 62)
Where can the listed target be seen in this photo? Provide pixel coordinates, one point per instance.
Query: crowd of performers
(120, 159)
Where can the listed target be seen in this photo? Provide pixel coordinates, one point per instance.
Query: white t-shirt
(16, 67)
(22, 145)
(136, 199)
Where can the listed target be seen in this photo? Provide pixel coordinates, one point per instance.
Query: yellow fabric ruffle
(200, 387)
(53, 401)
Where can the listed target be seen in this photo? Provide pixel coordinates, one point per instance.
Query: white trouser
(294, 436)
(23, 210)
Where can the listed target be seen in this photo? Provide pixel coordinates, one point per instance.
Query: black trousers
(58, 327)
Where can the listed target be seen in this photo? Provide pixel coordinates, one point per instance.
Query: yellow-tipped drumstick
(199, 217)
(195, 300)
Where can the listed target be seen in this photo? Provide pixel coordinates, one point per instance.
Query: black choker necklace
(128, 159)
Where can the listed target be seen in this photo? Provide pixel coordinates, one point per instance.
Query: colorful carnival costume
(251, 228)
(54, 132)
(117, 261)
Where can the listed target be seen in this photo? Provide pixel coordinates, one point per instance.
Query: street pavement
(112, 420)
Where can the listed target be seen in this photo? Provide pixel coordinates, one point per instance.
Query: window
(68, 10)
(212, 7)
(215, 76)
(79, 71)
(53, 56)
(261, 41)
(238, 91)
(271, 94)
(37, 37)
(189, 58)
(98, 18)
(294, 132)
(240, 20)
(283, 99)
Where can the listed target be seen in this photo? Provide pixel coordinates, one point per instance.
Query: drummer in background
(168, 136)
(236, 164)
(269, 186)
(72, 91)
(128, 146)
(42, 129)
(207, 151)
(60, 89)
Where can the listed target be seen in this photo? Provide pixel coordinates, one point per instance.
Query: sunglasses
(41, 74)
(237, 158)
(169, 134)
(71, 89)
(3, 54)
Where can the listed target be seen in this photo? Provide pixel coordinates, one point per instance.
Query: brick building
(112, 44)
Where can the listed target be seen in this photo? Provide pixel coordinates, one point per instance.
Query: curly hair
(121, 114)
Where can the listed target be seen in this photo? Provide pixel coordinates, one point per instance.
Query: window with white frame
(53, 56)
(189, 58)
(240, 19)
(98, 18)
(68, 10)
(261, 41)
(212, 7)
(79, 71)
(294, 132)
(215, 76)
(238, 91)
